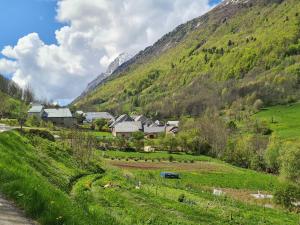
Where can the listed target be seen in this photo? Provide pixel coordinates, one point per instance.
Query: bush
(171, 158)
(286, 194)
(42, 133)
(181, 198)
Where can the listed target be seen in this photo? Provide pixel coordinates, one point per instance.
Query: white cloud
(7, 66)
(97, 31)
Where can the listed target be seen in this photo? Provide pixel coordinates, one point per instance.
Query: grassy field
(155, 201)
(283, 120)
(44, 179)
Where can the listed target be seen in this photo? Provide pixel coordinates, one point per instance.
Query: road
(10, 215)
(4, 128)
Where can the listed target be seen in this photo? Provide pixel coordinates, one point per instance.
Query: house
(120, 119)
(36, 110)
(126, 128)
(91, 116)
(154, 131)
(60, 117)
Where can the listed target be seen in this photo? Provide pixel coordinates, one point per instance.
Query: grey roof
(140, 118)
(173, 123)
(58, 113)
(149, 130)
(128, 127)
(99, 115)
(36, 109)
(144, 120)
(120, 119)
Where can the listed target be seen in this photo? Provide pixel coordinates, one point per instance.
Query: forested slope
(240, 52)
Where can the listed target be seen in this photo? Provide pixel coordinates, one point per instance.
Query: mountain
(122, 58)
(240, 52)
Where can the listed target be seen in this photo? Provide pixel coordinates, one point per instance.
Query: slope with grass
(43, 178)
(245, 50)
(283, 120)
(38, 175)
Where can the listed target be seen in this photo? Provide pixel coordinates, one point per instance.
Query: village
(121, 126)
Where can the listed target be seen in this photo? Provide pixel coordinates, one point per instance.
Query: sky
(58, 46)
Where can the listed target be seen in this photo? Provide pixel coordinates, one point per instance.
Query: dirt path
(10, 215)
(4, 128)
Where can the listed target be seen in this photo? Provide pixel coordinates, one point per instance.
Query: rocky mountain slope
(122, 58)
(239, 52)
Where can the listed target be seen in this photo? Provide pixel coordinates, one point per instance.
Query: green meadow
(283, 120)
(44, 179)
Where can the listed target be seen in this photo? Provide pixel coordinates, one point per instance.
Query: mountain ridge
(231, 54)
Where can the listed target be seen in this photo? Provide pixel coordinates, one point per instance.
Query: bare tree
(3, 105)
(83, 146)
(214, 131)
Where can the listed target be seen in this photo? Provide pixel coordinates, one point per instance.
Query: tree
(138, 140)
(100, 123)
(83, 146)
(28, 95)
(33, 121)
(3, 105)
(290, 163)
(22, 115)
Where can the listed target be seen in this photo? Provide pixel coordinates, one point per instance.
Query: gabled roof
(36, 109)
(99, 115)
(120, 119)
(151, 130)
(128, 127)
(58, 113)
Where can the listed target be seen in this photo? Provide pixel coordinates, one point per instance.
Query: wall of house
(66, 122)
(122, 134)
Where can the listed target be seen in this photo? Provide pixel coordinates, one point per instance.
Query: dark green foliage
(286, 194)
(181, 198)
(41, 133)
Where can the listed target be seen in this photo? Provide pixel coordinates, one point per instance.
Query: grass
(156, 201)
(283, 120)
(44, 179)
(37, 178)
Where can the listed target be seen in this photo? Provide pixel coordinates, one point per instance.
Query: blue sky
(21, 17)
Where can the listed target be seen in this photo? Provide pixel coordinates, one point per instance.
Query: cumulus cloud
(97, 31)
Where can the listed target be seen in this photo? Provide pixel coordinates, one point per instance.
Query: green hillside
(283, 120)
(235, 53)
(46, 180)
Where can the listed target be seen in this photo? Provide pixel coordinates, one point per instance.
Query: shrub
(181, 198)
(171, 158)
(42, 133)
(286, 194)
